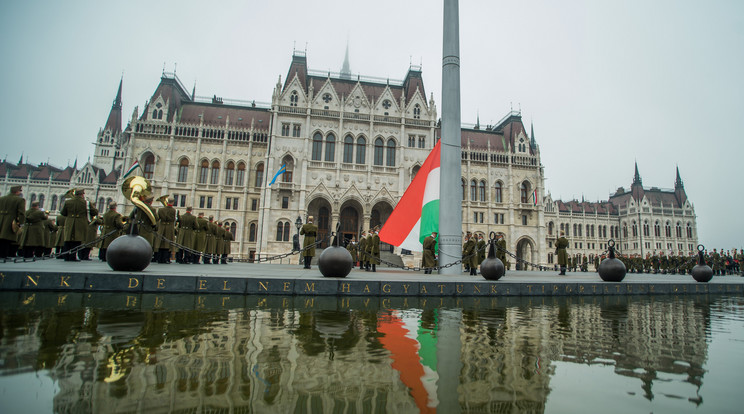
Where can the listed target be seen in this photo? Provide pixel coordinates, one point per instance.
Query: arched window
(361, 150)
(108, 202)
(330, 147)
(646, 231)
(679, 227)
(473, 190)
(229, 173)
(286, 231)
(625, 230)
(149, 166)
(378, 151)
(215, 177)
(390, 153)
(414, 171)
(259, 175)
(668, 229)
(612, 232)
(464, 189)
(657, 229)
(417, 112)
(294, 98)
(348, 149)
(550, 228)
(101, 202)
(279, 231)
(240, 176)
(524, 192)
(317, 152)
(203, 172)
(54, 202)
(252, 233)
(482, 191)
(41, 201)
(568, 230)
(635, 229)
(497, 192)
(183, 170)
(33, 197)
(288, 163)
(233, 228)
(689, 230)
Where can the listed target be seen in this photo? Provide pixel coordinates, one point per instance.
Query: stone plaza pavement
(292, 279)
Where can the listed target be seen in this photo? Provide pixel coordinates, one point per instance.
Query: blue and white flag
(278, 173)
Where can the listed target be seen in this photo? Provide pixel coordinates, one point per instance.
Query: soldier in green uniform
(374, 249)
(112, 221)
(186, 226)
(210, 241)
(596, 263)
(363, 251)
(481, 247)
(501, 249)
(50, 235)
(368, 251)
(584, 263)
(429, 258)
(219, 243)
(12, 210)
(90, 236)
(310, 231)
(166, 231)
(200, 237)
(351, 247)
(32, 233)
(561, 243)
(78, 212)
(227, 245)
(469, 255)
(59, 240)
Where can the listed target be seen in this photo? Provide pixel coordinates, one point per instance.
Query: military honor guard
(200, 238)
(219, 243)
(59, 240)
(78, 213)
(561, 244)
(166, 231)
(90, 236)
(32, 233)
(50, 235)
(186, 225)
(112, 221)
(351, 247)
(501, 250)
(373, 248)
(363, 263)
(481, 247)
(211, 249)
(228, 239)
(12, 216)
(429, 258)
(469, 254)
(310, 231)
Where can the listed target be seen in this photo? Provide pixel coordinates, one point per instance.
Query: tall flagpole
(450, 208)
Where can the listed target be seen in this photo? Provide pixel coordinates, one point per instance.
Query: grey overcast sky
(606, 83)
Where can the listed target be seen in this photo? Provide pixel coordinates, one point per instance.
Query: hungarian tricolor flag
(131, 169)
(417, 212)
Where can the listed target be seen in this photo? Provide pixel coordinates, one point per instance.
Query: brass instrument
(135, 187)
(163, 200)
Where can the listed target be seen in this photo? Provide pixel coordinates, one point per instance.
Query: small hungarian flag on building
(131, 169)
(417, 212)
(534, 196)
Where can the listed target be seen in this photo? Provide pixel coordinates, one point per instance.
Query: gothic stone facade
(349, 145)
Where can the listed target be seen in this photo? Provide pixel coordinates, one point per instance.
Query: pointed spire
(113, 123)
(477, 120)
(74, 167)
(678, 182)
(346, 68)
(117, 100)
(193, 91)
(20, 160)
(637, 177)
(533, 143)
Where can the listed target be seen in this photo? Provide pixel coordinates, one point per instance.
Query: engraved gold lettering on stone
(423, 289)
(202, 284)
(345, 287)
(265, 285)
(476, 289)
(366, 288)
(224, 286)
(405, 288)
(441, 288)
(309, 287)
(30, 279)
(459, 288)
(133, 283)
(386, 288)
(286, 286)
(63, 281)
(494, 290)
(160, 284)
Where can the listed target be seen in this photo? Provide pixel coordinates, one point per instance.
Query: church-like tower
(108, 149)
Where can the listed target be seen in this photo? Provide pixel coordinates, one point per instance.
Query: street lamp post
(298, 224)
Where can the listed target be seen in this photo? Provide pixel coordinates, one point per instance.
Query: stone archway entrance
(525, 251)
(321, 210)
(349, 223)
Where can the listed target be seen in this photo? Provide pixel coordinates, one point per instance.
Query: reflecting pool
(118, 353)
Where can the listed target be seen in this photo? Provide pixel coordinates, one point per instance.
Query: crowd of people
(184, 238)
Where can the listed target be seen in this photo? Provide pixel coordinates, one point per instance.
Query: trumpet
(135, 187)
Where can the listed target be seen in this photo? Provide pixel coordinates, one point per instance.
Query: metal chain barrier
(72, 251)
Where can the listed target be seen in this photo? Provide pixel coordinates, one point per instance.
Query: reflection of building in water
(289, 360)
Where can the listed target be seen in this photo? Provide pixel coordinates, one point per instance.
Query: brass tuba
(163, 200)
(135, 187)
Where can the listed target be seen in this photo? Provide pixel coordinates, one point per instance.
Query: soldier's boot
(473, 271)
(374, 268)
(224, 259)
(563, 271)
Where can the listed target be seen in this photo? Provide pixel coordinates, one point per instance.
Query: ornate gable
(357, 100)
(386, 105)
(294, 94)
(327, 98)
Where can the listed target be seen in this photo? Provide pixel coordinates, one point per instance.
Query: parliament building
(349, 146)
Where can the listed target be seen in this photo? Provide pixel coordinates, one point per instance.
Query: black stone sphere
(492, 269)
(702, 273)
(335, 262)
(129, 253)
(612, 270)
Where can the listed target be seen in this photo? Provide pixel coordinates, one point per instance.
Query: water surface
(118, 353)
